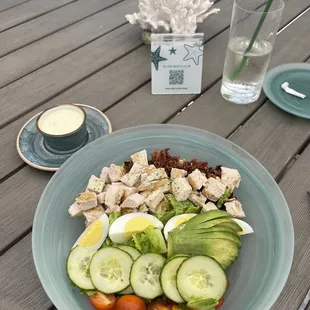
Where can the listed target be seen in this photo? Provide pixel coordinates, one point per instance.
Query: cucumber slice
(126, 291)
(78, 262)
(144, 276)
(168, 278)
(201, 277)
(110, 270)
(133, 252)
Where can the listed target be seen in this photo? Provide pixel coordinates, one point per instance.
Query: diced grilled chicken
(128, 190)
(196, 179)
(116, 173)
(133, 201)
(163, 185)
(133, 176)
(181, 189)
(145, 194)
(209, 206)
(230, 177)
(154, 199)
(92, 214)
(162, 206)
(140, 158)
(156, 174)
(115, 208)
(214, 189)
(113, 196)
(143, 208)
(234, 208)
(104, 175)
(177, 173)
(197, 198)
(95, 184)
(86, 200)
(101, 198)
(146, 171)
(74, 210)
(137, 168)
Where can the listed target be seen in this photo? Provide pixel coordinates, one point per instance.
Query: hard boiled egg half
(95, 234)
(125, 226)
(176, 221)
(246, 228)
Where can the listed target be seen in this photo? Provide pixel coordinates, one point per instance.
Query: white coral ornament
(177, 16)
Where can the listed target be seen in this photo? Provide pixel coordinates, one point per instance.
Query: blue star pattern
(156, 58)
(193, 52)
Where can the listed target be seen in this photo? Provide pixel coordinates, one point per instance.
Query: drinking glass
(252, 35)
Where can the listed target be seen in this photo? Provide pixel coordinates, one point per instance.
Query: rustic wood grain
(295, 185)
(28, 10)
(20, 287)
(33, 89)
(101, 89)
(46, 24)
(30, 58)
(134, 109)
(6, 4)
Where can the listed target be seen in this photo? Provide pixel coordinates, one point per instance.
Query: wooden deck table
(56, 51)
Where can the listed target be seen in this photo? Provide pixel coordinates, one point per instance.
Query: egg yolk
(137, 224)
(92, 234)
(181, 220)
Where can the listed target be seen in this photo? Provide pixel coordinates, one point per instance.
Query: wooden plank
(7, 4)
(29, 184)
(46, 24)
(135, 108)
(20, 287)
(101, 90)
(28, 10)
(36, 55)
(295, 185)
(16, 98)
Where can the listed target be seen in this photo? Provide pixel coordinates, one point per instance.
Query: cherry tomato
(176, 307)
(220, 304)
(130, 302)
(102, 301)
(160, 304)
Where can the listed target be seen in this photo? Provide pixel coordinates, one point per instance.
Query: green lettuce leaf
(205, 304)
(181, 207)
(113, 216)
(223, 198)
(88, 292)
(166, 216)
(107, 242)
(150, 241)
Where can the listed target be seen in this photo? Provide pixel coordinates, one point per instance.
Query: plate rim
(290, 228)
(271, 75)
(45, 168)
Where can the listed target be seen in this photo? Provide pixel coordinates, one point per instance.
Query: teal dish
(33, 150)
(298, 77)
(257, 277)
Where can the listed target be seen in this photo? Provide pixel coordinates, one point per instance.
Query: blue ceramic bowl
(257, 277)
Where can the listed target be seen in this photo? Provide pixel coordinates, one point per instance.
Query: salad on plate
(159, 234)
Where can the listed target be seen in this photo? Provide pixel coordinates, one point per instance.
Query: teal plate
(257, 277)
(298, 77)
(31, 147)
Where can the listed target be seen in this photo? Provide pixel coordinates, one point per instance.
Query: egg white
(117, 231)
(173, 223)
(103, 233)
(246, 228)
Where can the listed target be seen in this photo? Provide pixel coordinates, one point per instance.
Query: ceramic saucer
(298, 77)
(31, 147)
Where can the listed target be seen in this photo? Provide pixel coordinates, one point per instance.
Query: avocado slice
(222, 250)
(206, 216)
(231, 224)
(217, 235)
(216, 228)
(208, 224)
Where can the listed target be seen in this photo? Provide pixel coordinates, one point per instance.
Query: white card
(177, 63)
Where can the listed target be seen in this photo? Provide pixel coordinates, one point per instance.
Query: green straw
(240, 67)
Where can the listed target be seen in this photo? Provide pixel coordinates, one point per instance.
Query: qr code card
(177, 63)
